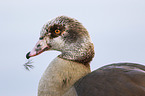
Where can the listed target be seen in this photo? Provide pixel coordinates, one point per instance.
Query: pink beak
(40, 47)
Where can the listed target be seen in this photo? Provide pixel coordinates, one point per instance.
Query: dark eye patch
(56, 27)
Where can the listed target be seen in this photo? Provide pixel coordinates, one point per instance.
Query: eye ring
(57, 31)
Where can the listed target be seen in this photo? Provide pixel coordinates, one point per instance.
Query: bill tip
(27, 55)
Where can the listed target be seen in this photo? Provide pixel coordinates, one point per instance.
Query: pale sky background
(117, 29)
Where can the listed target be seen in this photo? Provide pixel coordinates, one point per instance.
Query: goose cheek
(40, 47)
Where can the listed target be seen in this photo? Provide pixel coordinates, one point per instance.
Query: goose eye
(57, 31)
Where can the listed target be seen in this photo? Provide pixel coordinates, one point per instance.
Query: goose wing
(124, 79)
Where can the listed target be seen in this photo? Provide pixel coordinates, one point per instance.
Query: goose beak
(40, 47)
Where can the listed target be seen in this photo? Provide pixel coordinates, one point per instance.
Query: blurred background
(117, 29)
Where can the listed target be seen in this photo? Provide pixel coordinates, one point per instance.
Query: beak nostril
(38, 45)
(41, 38)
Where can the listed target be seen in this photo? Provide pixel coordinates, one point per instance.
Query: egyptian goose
(69, 73)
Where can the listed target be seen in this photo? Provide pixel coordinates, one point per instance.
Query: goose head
(66, 35)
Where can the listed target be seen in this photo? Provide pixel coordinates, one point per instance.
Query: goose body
(61, 72)
(69, 73)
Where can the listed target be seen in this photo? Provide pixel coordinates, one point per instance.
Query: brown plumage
(122, 79)
(69, 74)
